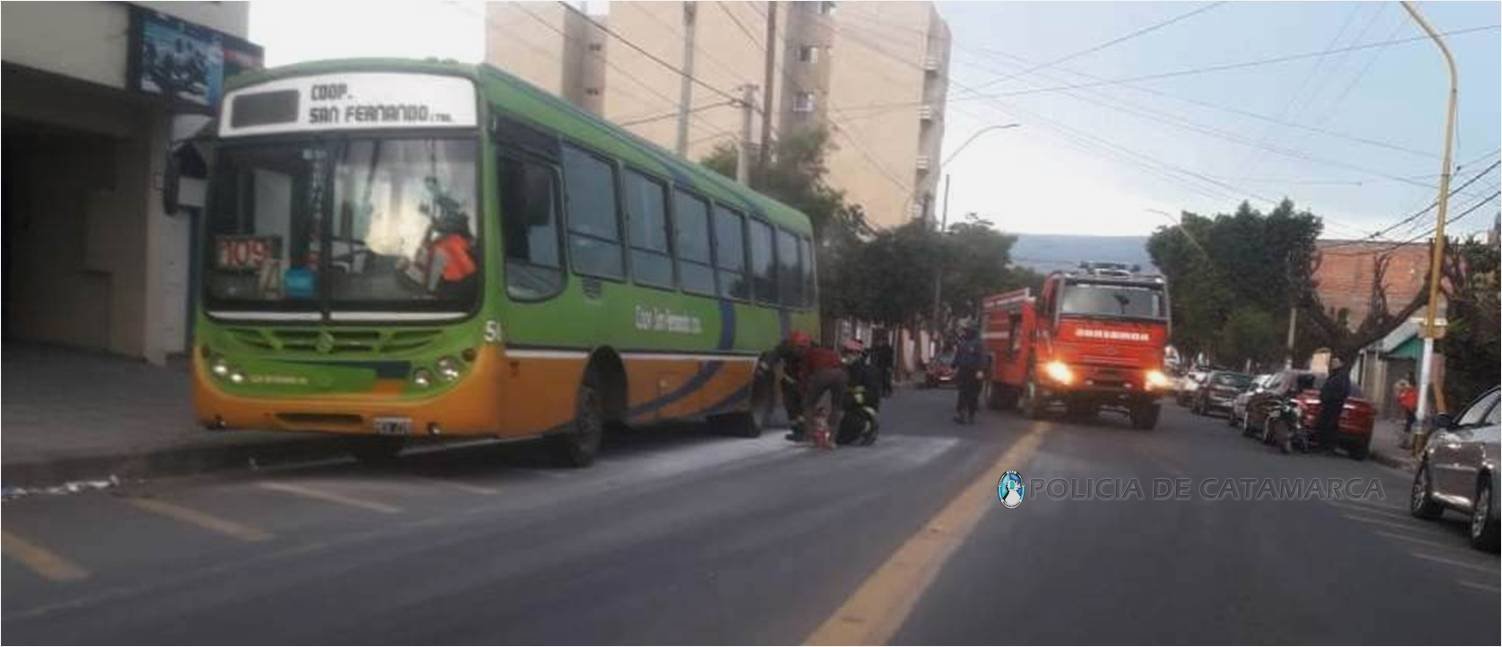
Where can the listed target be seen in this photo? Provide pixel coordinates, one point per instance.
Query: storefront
(94, 95)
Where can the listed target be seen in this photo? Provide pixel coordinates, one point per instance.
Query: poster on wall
(184, 62)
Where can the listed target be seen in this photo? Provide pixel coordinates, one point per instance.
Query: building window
(808, 54)
(595, 47)
(803, 102)
(827, 8)
(594, 92)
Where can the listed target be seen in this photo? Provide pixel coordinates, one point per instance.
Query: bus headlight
(219, 367)
(1058, 372)
(422, 378)
(1157, 380)
(448, 369)
(237, 377)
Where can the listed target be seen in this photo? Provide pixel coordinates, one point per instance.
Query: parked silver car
(1459, 469)
(1238, 406)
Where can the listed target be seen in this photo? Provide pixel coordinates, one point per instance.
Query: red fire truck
(1092, 339)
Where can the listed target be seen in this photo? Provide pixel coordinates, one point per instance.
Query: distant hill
(1049, 252)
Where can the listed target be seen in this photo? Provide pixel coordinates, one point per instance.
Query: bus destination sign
(349, 102)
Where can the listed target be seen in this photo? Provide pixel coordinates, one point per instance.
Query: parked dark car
(1219, 391)
(1458, 470)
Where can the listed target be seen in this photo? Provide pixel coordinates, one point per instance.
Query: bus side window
(529, 228)
(691, 243)
(730, 253)
(763, 264)
(647, 222)
(789, 273)
(594, 232)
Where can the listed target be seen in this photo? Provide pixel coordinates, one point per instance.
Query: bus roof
(521, 100)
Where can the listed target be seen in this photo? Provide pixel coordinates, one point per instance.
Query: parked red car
(1356, 419)
(939, 372)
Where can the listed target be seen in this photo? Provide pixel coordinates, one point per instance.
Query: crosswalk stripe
(43, 562)
(330, 497)
(201, 519)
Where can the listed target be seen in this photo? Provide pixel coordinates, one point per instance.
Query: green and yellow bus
(401, 249)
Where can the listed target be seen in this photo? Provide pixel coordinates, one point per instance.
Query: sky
(1353, 136)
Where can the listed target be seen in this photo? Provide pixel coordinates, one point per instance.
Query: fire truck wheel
(1145, 416)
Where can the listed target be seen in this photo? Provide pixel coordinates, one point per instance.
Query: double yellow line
(874, 613)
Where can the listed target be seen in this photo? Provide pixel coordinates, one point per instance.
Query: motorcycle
(1285, 429)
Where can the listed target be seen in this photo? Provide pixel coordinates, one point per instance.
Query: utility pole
(743, 152)
(686, 87)
(1293, 318)
(939, 269)
(1437, 251)
(764, 156)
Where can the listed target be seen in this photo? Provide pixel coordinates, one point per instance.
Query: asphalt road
(682, 536)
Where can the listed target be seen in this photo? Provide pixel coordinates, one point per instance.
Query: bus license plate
(393, 426)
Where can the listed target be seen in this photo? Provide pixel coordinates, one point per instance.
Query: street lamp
(944, 224)
(1437, 252)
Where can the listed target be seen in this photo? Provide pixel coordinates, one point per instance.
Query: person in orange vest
(1408, 399)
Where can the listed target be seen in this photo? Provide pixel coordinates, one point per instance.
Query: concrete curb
(170, 462)
(1398, 459)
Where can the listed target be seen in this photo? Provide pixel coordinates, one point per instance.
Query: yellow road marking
(330, 497)
(1478, 585)
(1456, 563)
(201, 519)
(876, 610)
(41, 561)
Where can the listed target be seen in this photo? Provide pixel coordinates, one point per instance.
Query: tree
(1470, 345)
(974, 258)
(1335, 331)
(796, 176)
(1250, 334)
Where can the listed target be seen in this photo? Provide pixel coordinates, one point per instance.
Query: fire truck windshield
(1113, 300)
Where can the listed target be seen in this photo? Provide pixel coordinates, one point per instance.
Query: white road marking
(1456, 563)
(1416, 540)
(329, 497)
(1389, 524)
(1478, 585)
(201, 519)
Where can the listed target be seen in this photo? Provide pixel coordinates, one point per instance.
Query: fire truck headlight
(1157, 380)
(1058, 372)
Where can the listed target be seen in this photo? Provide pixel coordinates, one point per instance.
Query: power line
(1115, 41)
(669, 115)
(738, 24)
(679, 71)
(1416, 215)
(1425, 234)
(1211, 68)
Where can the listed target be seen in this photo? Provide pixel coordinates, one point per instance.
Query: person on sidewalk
(969, 365)
(1332, 400)
(1408, 400)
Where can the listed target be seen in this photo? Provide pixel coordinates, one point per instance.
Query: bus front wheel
(580, 443)
(749, 423)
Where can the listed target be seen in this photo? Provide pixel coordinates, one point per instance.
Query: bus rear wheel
(749, 423)
(580, 443)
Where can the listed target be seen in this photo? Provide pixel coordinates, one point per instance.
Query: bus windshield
(1113, 300)
(397, 217)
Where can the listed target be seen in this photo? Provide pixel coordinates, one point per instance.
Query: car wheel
(1360, 450)
(1483, 522)
(578, 446)
(1246, 426)
(1421, 503)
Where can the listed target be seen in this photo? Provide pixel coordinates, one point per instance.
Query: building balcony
(923, 163)
(927, 112)
(933, 63)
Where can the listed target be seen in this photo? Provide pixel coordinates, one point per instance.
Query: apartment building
(873, 74)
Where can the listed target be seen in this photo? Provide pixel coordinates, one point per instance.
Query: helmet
(800, 339)
(853, 346)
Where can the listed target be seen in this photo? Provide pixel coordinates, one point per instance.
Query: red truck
(1092, 339)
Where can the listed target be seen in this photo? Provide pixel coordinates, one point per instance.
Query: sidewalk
(1387, 436)
(72, 415)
